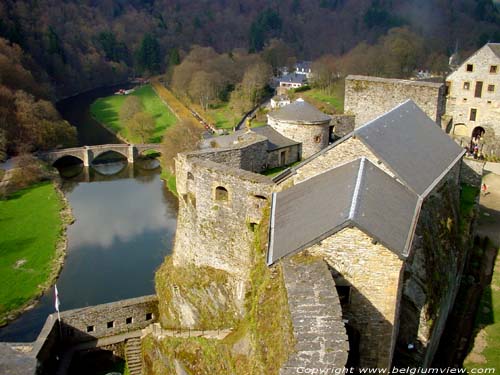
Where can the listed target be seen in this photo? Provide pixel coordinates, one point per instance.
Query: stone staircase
(133, 355)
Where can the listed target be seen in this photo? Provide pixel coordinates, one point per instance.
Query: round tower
(302, 122)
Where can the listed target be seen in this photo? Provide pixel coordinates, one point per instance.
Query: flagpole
(56, 305)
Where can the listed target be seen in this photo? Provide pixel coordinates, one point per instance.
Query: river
(124, 228)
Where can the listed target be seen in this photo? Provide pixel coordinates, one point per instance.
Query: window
(493, 69)
(491, 88)
(317, 139)
(344, 293)
(190, 176)
(129, 320)
(90, 328)
(221, 193)
(149, 316)
(253, 226)
(466, 85)
(479, 89)
(110, 324)
(473, 114)
(470, 67)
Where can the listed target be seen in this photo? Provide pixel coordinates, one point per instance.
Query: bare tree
(131, 105)
(142, 125)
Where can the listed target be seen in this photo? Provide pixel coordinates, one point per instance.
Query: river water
(125, 225)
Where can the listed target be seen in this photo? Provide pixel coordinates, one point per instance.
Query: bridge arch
(111, 151)
(58, 159)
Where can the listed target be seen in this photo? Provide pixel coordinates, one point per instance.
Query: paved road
(489, 216)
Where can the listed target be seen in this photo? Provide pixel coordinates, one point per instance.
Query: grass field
(30, 226)
(220, 115)
(324, 101)
(106, 111)
(487, 342)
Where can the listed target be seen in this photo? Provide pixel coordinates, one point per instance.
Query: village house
(304, 67)
(473, 100)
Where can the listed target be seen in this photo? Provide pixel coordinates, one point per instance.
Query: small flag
(56, 294)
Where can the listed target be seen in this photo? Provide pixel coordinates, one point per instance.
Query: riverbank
(106, 111)
(33, 245)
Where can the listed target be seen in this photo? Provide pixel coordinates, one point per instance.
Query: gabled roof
(274, 139)
(300, 112)
(495, 47)
(411, 145)
(293, 78)
(355, 194)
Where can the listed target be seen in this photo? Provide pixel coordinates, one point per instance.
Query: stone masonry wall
(369, 97)
(471, 172)
(344, 124)
(461, 99)
(432, 272)
(344, 151)
(316, 318)
(313, 137)
(110, 319)
(249, 156)
(216, 232)
(373, 274)
(292, 155)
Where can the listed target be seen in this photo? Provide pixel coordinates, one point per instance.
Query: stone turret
(303, 123)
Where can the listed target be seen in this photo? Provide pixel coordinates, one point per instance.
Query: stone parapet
(369, 97)
(316, 318)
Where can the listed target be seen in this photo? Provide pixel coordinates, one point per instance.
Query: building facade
(473, 98)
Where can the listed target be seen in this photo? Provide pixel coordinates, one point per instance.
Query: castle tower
(303, 123)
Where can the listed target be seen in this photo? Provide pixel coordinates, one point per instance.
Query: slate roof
(495, 47)
(411, 145)
(306, 65)
(293, 78)
(300, 112)
(274, 139)
(355, 194)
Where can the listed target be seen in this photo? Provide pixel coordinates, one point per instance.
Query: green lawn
(489, 318)
(30, 226)
(106, 110)
(222, 116)
(325, 101)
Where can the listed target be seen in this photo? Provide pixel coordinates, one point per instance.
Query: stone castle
(370, 204)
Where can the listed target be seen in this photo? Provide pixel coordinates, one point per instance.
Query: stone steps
(133, 355)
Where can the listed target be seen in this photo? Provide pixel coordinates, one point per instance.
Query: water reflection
(123, 230)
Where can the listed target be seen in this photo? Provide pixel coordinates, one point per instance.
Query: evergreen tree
(148, 56)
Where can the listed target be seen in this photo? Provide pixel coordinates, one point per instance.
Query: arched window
(190, 176)
(221, 194)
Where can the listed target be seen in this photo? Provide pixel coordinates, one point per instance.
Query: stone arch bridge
(87, 154)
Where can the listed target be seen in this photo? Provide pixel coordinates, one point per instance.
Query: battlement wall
(369, 97)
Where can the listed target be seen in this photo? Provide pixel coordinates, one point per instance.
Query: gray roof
(354, 194)
(411, 145)
(495, 47)
(300, 112)
(293, 78)
(274, 139)
(229, 140)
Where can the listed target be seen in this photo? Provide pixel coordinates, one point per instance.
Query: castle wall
(343, 124)
(218, 232)
(343, 152)
(433, 271)
(373, 274)
(369, 97)
(249, 156)
(316, 312)
(314, 137)
(292, 155)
